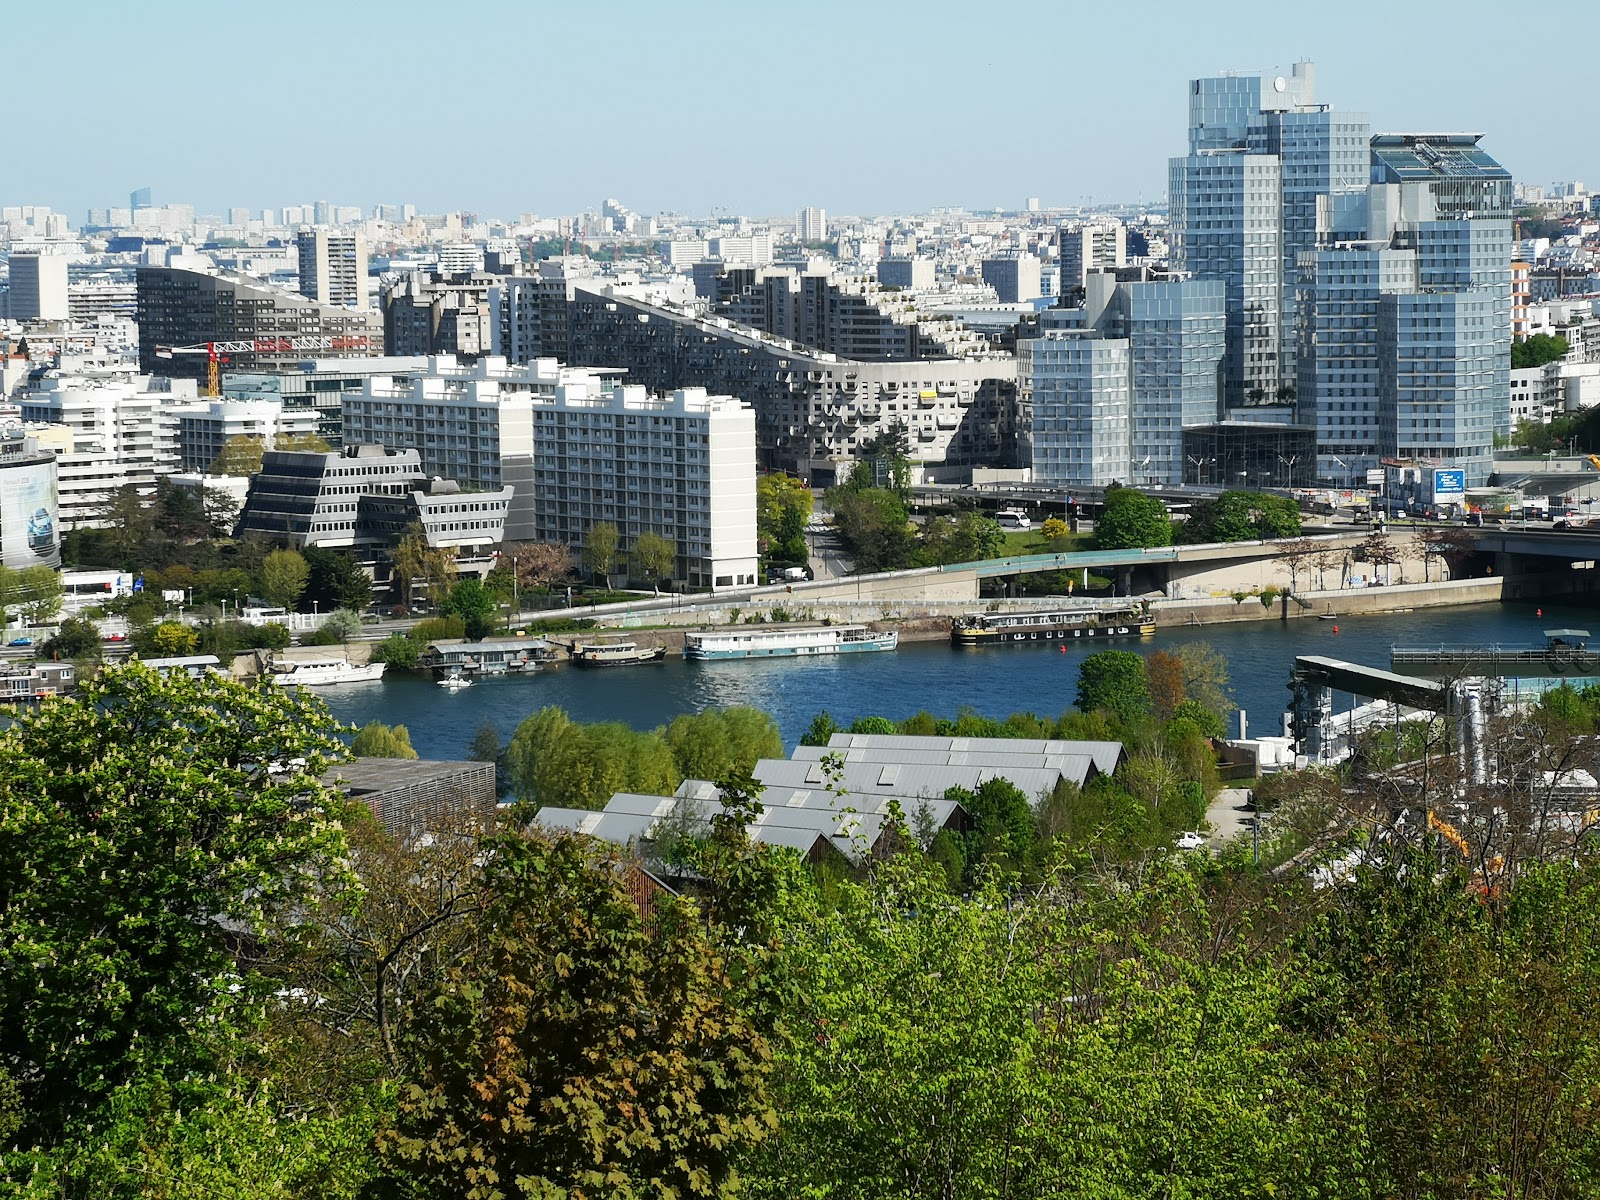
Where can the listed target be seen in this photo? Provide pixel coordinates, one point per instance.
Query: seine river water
(921, 675)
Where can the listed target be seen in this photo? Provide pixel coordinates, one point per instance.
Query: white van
(1013, 518)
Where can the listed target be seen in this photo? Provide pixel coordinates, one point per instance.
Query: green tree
(240, 456)
(716, 744)
(1132, 520)
(335, 580)
(76, 638)
(397, 650)
(472, 601)
(1003, 827)
(600, 549)
(783, 504)
(127, 520)
(306, 443)
(339, 627)
(1114, 680)
(1241, 517)
(600, 1056)
(1205, 678)
(968, 537)
(652, 558)
(146, 826)
(414, 560)
(169, 639)
(283, 578)
(377, 740)
(1538, 350)
(872, 525)
(234, 1137)
(35, 591)
(821, 730)
(555, 761)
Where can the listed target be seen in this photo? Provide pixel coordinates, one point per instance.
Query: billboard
(1449, 485)
(28, 513)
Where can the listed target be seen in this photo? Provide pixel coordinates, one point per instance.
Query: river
(993, 681)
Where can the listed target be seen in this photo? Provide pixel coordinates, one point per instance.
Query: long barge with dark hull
(1055, 625)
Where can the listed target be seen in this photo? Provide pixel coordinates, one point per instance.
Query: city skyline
(897, 108)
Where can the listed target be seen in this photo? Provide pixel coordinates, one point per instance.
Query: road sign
(1375, 475)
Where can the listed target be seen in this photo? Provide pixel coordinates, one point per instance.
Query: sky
(863, 107)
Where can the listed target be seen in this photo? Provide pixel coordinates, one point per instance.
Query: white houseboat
(787, 643)
(615, 654)
(321, 672)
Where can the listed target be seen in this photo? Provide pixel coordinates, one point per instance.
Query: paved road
(1227, 816)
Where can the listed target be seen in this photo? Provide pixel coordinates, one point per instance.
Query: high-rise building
(185, 308)
(140, 198)
(1244, 205)
(333, 267)
(1396, 365)
(812, 224)
(1085, 248)
(38, 290)
(1080, 388)
(430, 313)
(1112, 386)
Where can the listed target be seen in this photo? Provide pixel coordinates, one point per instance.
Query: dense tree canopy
(580, 1051)
(143, 826)
(1113, 680)
(1538, 350)
(1241, 517)
(1132, 520)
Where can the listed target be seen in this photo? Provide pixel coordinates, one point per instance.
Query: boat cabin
(495, 656)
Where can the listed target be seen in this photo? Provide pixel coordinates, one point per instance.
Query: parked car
(1191, 840)
(22, 641)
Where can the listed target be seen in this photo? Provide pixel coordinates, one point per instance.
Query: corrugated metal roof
(1077, 767)
(912, 779)
(1105, 755)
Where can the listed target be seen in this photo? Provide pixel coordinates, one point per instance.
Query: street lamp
(1288, 468)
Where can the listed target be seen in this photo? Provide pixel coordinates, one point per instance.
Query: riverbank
(930, 620)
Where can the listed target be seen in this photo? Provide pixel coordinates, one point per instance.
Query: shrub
(398, 651)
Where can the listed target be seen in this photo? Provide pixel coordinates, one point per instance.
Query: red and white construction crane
(217, 352)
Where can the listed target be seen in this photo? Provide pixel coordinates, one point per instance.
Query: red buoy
(1538, 612)
(1336, 629)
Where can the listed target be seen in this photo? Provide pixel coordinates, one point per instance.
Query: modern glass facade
(1441, 363)
(1227, 227)
(1081, 391)
(1176, 340)
(1337, 360)
(1244, 206)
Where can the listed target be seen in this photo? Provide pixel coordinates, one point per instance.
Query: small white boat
(321, 672)
(455, 682)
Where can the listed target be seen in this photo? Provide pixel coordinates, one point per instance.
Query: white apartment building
(203, 427)
(682, 467)
(110, 428)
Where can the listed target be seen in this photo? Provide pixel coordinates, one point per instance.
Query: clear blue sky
(756, 107)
